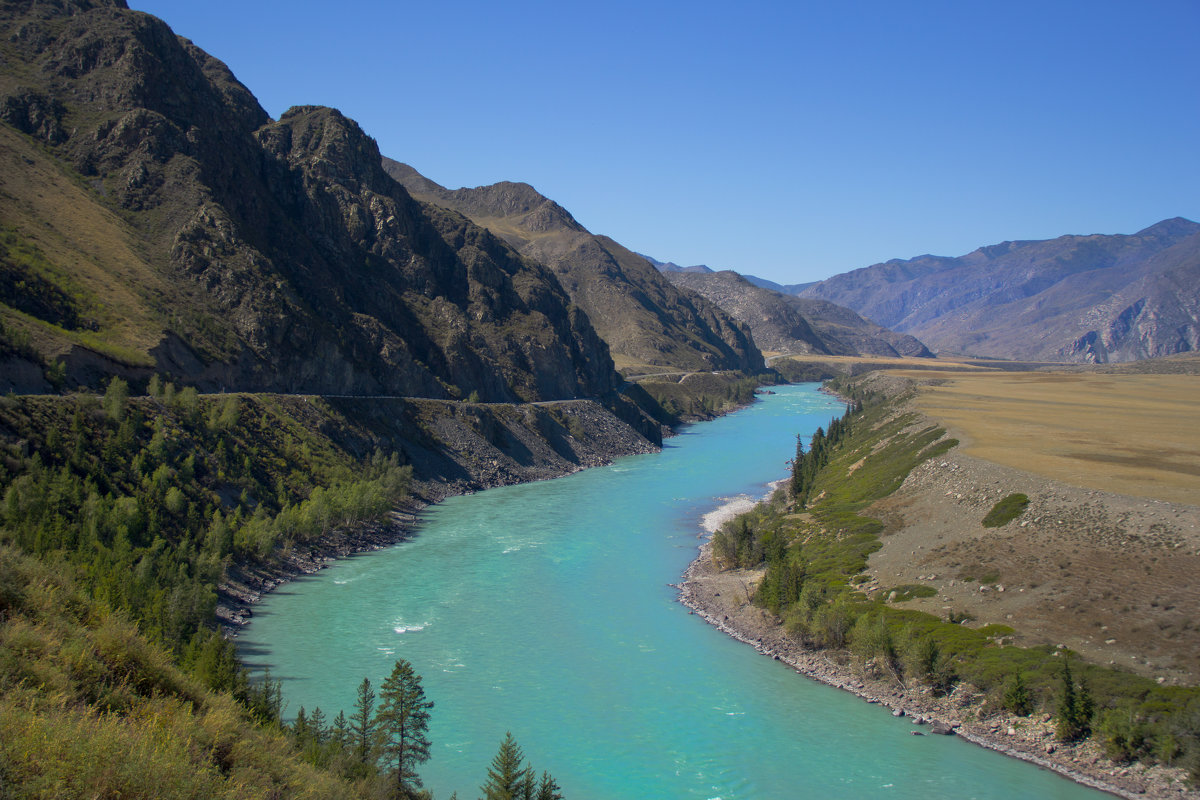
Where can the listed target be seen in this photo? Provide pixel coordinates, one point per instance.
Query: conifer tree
(362, 723)
(403, 724)
(340, 732)
(508, 778)
(1016, 696)
(1075, 708)
(549, 789)
(316, 724)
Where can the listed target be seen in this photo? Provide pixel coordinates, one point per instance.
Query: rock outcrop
(644, 318)
(229, 250)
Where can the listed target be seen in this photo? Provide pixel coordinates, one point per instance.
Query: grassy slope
(90, 708)
(119, 519)
(85, 250)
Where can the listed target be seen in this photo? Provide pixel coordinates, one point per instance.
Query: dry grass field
(1134, 434)
(1105, 558)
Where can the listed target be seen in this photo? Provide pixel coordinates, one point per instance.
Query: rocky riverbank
(722, 599)
(454, 449)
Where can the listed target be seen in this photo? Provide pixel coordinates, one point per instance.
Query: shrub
(1006, 510)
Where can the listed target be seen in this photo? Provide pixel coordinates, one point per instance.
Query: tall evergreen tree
(403, 724)
(362, 723)
(1075, 708)
(508, 777)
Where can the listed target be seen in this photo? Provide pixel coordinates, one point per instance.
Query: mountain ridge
(638, 312)
(797, 325)
(1094, 298)
(237, 251)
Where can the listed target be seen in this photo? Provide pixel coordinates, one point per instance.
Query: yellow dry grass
(885, 361)
(1125, 433)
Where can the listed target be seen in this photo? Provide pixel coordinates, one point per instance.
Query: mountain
(1098, 298)
(790, 288)
(788, 324)
(644, 318)
(671, 266)
(156, 219)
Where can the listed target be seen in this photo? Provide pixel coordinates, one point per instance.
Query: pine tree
(1016, 696)
(1075, 708)
(549, 789)
(316, 724)
(340, 732)
(508, 777)
(362, 723)
(403, 724)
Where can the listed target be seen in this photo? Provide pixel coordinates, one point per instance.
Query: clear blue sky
(791, 140)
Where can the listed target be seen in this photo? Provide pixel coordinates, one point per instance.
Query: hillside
(155, 219)
(644, 319)
(788, 324)
(1091, 298)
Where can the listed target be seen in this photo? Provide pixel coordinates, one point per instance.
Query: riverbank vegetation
(119, 519)
(703, 395)
(812, 541)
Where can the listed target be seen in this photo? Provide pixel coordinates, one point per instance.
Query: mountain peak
(1175, 227)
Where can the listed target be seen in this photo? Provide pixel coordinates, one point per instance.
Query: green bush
(1006, 510)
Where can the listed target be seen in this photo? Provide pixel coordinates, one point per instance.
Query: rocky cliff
(797, 325)
(644, 318)
(1077, 298)
(174, 227)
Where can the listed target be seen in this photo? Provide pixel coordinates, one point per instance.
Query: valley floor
(1110, 576)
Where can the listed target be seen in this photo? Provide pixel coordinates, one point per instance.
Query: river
(545, 610)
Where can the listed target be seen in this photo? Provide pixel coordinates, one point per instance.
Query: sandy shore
(721, 599)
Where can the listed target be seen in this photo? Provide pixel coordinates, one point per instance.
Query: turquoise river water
(544, 609)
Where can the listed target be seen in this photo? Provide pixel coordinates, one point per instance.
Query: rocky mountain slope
(790, 324)
(644, 319)
(155, 219)
(1091, 298)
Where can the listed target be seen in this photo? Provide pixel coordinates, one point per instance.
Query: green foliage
(1006, 510)
(813, 555)
(908, 591)
(115, 398)
(90, 708)
(925, 660)
(702, 395)
(1123, 734)
(1017, 698)
(1073, 715)
(403, 724)
(363, 726)
(509, 778)
(147, 504)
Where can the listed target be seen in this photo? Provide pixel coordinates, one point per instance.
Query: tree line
(149, 500)
(386, 736)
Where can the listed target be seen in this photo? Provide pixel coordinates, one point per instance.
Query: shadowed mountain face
(1078, 298)
(790, 324)
(172, 226)
(636, 310)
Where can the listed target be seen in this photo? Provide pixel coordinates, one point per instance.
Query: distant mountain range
(1098, 298)
(788, 324)
(762, 283)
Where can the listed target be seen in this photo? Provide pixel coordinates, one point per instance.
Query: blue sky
(791, 140)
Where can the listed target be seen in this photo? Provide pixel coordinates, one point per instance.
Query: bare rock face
(635, 309)
(273, 255)
(1077, 298)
